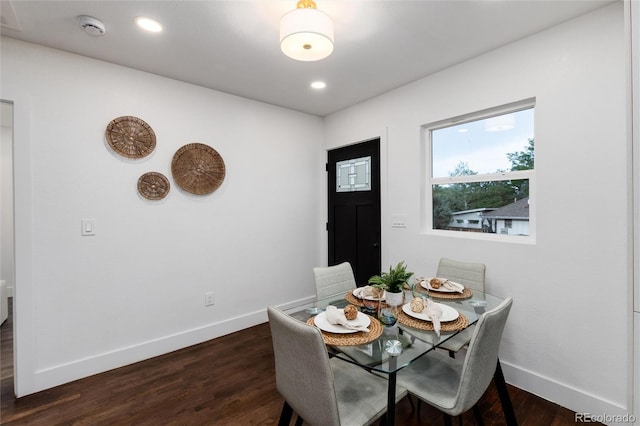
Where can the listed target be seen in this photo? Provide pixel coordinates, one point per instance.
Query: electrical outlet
(208, 298)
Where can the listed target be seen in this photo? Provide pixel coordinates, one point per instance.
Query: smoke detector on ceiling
(91, 25)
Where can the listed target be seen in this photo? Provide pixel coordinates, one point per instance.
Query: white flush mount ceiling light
(318, 85)
(148, 24)
(306, 34)
(91, 25)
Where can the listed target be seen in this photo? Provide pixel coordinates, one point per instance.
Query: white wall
(567, 336)
(136, 289)
(633, 9)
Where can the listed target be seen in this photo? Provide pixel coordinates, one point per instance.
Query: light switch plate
(399, 221)
(88, 227)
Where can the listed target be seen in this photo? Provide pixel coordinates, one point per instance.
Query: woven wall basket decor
(130, 137)
(153, 186)
(197, 168)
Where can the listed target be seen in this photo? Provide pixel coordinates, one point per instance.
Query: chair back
(482, 355)
(303, 374)
(468, 274)
(334, 280)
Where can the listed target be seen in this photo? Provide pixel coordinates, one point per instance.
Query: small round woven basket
(153, 186)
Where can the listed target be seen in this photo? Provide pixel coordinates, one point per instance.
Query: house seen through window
(482, 170)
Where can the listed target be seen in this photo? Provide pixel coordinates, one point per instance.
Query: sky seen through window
(482, 144)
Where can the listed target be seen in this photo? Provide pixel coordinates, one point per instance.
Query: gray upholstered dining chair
(320, 390)
(466, 273)
(334, 280)
(470, 275)
(451, 385)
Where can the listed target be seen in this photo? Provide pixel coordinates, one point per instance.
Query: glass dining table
(391, 348)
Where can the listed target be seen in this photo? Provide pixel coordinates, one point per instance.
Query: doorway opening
(7, 254)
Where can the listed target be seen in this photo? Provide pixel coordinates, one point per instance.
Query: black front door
(354, 208)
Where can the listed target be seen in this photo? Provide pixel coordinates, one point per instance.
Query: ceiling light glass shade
(306, 34)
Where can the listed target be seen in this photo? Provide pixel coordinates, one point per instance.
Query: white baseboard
(574, 399)
(65, 373)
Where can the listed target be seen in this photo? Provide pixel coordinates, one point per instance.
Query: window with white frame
(481, 169)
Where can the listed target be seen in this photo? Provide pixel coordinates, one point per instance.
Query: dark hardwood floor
(208, 384)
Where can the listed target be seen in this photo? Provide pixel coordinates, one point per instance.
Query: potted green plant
(393, 282)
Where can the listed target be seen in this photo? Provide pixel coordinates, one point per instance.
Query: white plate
(323, 324)
(384, 294)
(425, 284)
(448, 313)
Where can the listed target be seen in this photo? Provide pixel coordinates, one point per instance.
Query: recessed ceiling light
(318, 84)
(149, 24)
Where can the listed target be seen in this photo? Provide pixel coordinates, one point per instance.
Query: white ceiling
(232, 46)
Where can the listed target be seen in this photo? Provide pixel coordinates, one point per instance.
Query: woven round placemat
(130, 137)
(467, 293)
(349, 297)
(351, 339)
(458, 324)
(197, 168)
(153, 186)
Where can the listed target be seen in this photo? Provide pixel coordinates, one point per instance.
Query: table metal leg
(391, 400)
(505, 399)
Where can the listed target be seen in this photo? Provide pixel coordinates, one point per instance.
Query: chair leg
(478, 414)
(447, 419)
(285, 415)
(505, 399)
(299, 421)
(411, 402)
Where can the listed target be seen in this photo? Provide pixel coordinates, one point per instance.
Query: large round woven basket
(197, 168)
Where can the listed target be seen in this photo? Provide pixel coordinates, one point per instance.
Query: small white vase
(394, 299)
